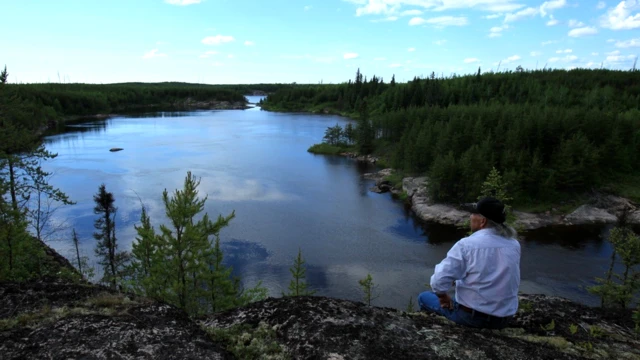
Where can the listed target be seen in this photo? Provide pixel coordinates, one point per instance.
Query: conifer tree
(112, 260)
(298, 285)
(368, 287)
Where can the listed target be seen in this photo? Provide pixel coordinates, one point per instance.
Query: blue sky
(307, 41)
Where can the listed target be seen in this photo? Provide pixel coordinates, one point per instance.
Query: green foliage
(550, 133)
(550, 326)
(573, 329)
(298, 285)
(636, 321)
(326, 149)
(245, 342)
(368, 287)
(526, 306)
(411, 306)
(112, 260)
(182, 265)
(494, 186)
(334, 135)
(620, 289)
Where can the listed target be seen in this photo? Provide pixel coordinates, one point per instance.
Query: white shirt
(486, 269)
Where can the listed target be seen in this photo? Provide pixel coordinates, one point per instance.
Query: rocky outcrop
(66, 321)
(364, 158)
(62, 320)
(601, 209)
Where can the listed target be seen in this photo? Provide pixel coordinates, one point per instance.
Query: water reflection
(256, 163)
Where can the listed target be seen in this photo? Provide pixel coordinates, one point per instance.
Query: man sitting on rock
(485, 268)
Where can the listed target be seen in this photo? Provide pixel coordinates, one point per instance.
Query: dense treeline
(550, 133)
(42, 104)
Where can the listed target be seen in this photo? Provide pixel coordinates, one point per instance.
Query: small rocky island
(57, 319)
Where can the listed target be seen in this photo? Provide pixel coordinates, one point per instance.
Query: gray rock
(587, 214)
(528, 221)
(441, 214)
(634, 218)
(415, 186)
(116, 149)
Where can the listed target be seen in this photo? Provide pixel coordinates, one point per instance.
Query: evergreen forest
(552, 134)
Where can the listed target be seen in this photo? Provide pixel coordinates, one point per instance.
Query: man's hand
(445, 301)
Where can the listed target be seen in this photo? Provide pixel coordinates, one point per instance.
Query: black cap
(491, 208)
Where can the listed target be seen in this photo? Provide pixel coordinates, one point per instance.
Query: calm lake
(256, 163)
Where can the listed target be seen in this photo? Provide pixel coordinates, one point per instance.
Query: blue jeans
(429, 302)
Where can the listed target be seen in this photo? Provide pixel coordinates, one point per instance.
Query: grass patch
(326, 149)
(249, 343)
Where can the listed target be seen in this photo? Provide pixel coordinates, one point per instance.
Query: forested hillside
(552, 134)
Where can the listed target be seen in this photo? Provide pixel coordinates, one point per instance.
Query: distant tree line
(548, 132)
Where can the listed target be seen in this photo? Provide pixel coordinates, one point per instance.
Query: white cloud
(153, 54)
(551, 5)
(440, 42)
(583, 31)
(590, 64)
(622, 17)
(377, 7)
(395, 65)
(411, 13)
(601, 5)
(611, 40)
(511, 59)
(545, 43)
(471, 60)
(230, 56)
(249, 43)
(566, 59)
(440, 21)
(552, 21)
(535, 53)
(496, 31)
(594, 54)
(307, 8)
(217, 40)
(493, 16)
(575, 23)
(613, 53)
(208, 54)
(217, 64)
(628, 43)
(389, 18)
(565, 51)
(182, 2)
(380, 59)
(494, 35)
(411, 49)
(528, 12)
(351, 55)
(620, 58)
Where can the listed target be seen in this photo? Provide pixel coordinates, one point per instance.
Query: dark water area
(256, 163)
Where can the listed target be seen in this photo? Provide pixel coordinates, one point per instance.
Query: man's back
(488, 266)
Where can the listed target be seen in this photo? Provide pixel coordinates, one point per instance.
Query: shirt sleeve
(450, 269)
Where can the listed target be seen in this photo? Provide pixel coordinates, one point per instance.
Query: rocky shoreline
(599, 210)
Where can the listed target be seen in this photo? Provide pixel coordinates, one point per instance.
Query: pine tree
(368, 287)
(186, 244)
(112, 260)
(146, 263)
(82, 262)
(298, 285)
